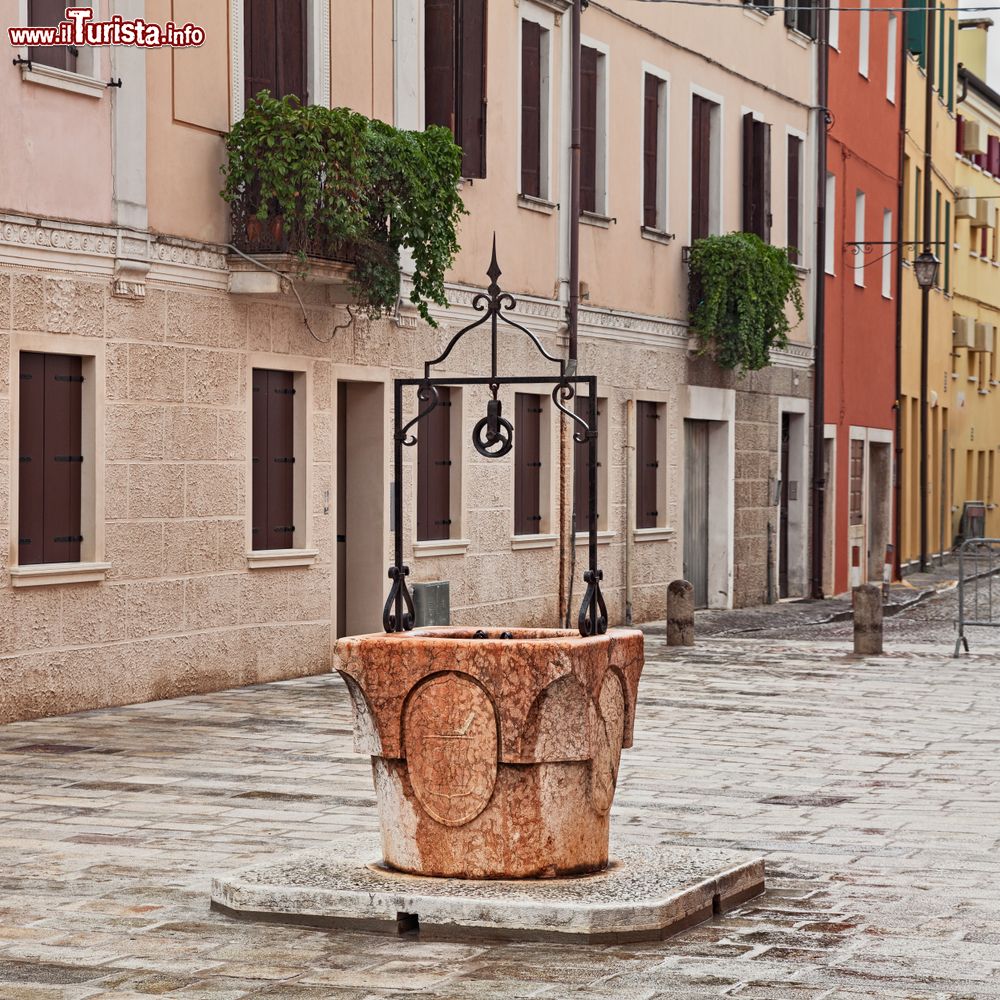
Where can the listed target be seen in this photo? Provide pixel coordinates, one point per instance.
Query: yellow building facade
(975, 409)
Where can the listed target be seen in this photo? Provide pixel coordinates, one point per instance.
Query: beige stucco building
(113, 250)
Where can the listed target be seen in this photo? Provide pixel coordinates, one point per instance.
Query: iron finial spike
(494, 271)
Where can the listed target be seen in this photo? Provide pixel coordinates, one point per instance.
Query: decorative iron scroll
(493, 437)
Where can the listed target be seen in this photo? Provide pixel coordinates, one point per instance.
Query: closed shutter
(794, 174)
(439, 63)
(916, 27)
(258, 461)
(274, 48)
(472, 87)
(701, 166)
(959, 135)
(273, 460)
(857, 481)
(31, 473)
(647, 462)
(528, 464)
(756, 177)
(434, 471)
(50, 459)
(46, 13)
(581, 464)
(588, 130)
(993, 156)
(650, 151)
(951, 65)
(531, 101)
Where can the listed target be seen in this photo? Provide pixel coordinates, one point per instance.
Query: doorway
(696, 445)
(360, 507)
(783, 507)
(879, 506)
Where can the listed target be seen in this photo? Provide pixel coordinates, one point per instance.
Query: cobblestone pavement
(872, 787)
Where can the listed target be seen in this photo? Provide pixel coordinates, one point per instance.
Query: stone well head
(493, 757)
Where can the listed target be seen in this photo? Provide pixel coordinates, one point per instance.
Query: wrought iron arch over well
(493, 437)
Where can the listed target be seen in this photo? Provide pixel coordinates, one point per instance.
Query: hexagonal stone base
(645, 894)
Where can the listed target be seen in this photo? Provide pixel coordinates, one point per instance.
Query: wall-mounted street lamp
(925, 268)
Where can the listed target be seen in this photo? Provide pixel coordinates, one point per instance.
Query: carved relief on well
(450, 737)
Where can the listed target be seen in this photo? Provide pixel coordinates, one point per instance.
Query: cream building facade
(113, 250)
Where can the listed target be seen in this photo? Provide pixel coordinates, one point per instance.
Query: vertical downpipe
(897, 486)
(629, 504)
(819, 339)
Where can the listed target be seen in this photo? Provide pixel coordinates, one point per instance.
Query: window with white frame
(593, 130)
(68, 67)
(706, 166)
(890, 59)
(833, 29)
(887, 259)
(535, 89)
(864, 26)
(793, 215)
(831, 222)
(859, 234)
(654, 151)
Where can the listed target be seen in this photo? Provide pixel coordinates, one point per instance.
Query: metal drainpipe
(897, 527)
(819, 368)
(926, 292)
(573, 315)
(629, 504)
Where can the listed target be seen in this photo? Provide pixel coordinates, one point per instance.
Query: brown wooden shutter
(647, 420)
(528, 464)
(280, 459)
(581, 458)
(762, 169)
(794, 173)
(472, 87)
(993, 156)
(857, 481)
(31, 474)
(434, 471)
(291, 59)
(258, 461)
(588, 130)
(63, 458)
(960, 135)
(701, 166)
(650, 151)
(439, 63)
(260, 55)
(749, 187)
(531, 108)
(46, 13)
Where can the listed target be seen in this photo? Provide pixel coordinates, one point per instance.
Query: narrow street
(871, 787)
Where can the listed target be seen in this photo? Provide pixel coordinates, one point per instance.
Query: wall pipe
(897, 487)
(819, 339)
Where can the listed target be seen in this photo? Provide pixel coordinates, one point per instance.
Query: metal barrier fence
(978, 563)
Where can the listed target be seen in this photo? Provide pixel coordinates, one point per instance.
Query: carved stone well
(493, 757)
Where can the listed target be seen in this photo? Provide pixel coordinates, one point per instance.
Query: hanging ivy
(741, 292)
(331, 183)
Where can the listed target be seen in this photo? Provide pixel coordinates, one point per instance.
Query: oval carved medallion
(450, 737)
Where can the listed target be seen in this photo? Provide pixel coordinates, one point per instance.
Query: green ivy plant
(741, 290)
(330, 182)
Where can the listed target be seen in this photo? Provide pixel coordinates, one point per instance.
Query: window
(857, 481)
(654, 155)
(581, 457)
(756, 177)
(273, 461)
(794, 213)
(46, 13)
(534, 109)
(937, 231)
(801, 16)
(528, 464)
(648, 435)
(916, 29)
(831, 222)
(864, 24)
(274, 48)
(887, 254)
(593, 196)
(948, 237)
(434, 465)
(704, 167)
(764, 6)
(859, 235)
(50, 459)
(890, 59)
(917, 204)
(455, 76)
(833, 29)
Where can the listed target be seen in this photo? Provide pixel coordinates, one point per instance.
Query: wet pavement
(871, 786)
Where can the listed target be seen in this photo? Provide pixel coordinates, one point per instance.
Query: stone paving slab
(645, 894)
(871, 786)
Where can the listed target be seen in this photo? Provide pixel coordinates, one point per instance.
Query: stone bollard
(868, 620)
(680, 614)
